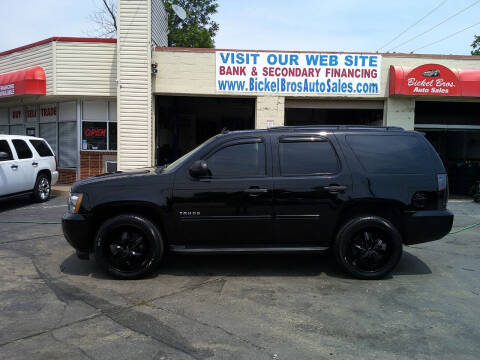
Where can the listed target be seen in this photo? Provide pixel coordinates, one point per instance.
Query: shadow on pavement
(245, 265)
(20, 201)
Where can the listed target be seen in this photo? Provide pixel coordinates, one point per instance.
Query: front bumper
(428, 225)
(77, 231)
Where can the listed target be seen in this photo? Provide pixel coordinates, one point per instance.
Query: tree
(105, 19)
(197, 30)
(476, 45)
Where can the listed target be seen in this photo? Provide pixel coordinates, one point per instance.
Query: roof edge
(57, 38)
(409, 55)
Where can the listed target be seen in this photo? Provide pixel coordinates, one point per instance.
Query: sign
(7, 90)
(270, 123)
(16, 115)
(48, 113)
(308, 74)
(31, 113)
(428, 79)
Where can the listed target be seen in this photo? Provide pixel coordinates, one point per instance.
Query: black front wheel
(128, 246)
(368, 247)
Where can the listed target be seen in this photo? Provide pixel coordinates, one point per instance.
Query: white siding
(41, 55)
(134, 88)
(85, 68)
(159, 23)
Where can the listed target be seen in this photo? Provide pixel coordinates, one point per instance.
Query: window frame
(233, 142)
(107, 122)
(46, 145)
(306, 139)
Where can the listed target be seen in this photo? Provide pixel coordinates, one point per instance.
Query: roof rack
(337, 127)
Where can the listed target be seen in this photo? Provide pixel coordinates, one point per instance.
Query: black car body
(359, 190)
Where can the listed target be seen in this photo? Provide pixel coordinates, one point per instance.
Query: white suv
(27, 165)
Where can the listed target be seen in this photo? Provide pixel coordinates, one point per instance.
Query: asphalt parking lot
(54, 306)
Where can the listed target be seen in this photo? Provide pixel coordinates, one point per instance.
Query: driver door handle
(14, 167)
(335, 189)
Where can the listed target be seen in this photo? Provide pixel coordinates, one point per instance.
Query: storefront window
(94, 135)
(99, 127)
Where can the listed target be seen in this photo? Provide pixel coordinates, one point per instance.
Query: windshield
(180, 161)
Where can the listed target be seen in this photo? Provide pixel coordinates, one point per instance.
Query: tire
(368, 247)
(128, 246)
(42, 189)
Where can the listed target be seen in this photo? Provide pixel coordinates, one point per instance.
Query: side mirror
(4, 156)
(199, 169)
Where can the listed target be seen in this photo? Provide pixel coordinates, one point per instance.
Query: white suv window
(4, 147)
(22, 149)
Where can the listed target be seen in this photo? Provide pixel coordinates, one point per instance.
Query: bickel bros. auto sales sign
(306, 74)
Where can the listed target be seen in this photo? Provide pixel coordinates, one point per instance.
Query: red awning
(434, 80)
(31, 81)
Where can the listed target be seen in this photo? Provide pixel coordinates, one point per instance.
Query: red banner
(434, 80)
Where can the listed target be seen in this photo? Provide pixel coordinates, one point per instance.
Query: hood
(117, 177)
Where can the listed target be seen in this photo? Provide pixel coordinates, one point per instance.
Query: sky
(328, 25)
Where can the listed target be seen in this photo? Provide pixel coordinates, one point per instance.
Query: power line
(414, 24)
(447, 37)
(434, 27)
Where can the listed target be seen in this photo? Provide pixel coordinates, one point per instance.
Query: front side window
(307, 157)
(22, 149)
(41, 147)
(4, 147)
(238, 160)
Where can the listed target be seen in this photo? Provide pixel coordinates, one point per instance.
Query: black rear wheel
(368, 247)
(128, 246)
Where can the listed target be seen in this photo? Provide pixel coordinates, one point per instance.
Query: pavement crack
(52, 335)
(34, 238)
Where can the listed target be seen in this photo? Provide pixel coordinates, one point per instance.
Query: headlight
(74, 202)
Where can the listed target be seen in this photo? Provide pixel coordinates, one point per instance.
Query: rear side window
(238, 160)
(309, 156)
(390, 154)
(41, 147)
(22, 149)
(4, 147)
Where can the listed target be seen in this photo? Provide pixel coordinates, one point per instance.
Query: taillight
(56, 162)
(442, 181)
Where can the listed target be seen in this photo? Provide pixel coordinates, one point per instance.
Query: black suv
(359, 191)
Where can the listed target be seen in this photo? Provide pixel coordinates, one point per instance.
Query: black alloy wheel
(369, 250)
(128, 246)
(368, 247)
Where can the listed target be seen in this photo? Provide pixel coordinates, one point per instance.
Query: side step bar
(245, 250)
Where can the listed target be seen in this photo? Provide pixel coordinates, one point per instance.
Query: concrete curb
(60, 190)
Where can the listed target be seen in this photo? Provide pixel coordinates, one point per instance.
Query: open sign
(96, 132)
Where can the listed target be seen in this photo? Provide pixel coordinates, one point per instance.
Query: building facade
(105, 105)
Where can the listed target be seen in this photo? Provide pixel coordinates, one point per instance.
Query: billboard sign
(308, 74)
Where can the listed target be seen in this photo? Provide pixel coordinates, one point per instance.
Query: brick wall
(67, 176)
(92, 162)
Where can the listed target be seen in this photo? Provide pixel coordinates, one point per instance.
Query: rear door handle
(35, 164)
(335, 189)
(14, 167)
(255, 191)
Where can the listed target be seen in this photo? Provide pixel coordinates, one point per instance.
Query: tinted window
(240, 160)
(4, 147)
(389, 154)
(41, 147)
(307, 157)
(22, 149)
